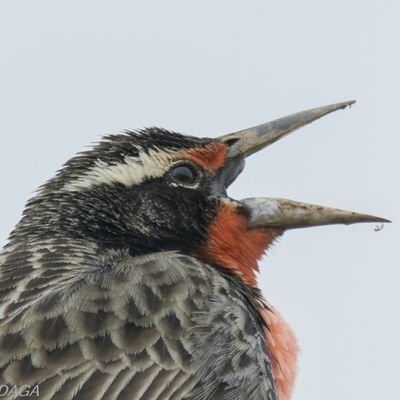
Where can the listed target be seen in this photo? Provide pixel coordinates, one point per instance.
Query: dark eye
(184, 174)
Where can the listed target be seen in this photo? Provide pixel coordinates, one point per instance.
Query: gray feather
(83, 324)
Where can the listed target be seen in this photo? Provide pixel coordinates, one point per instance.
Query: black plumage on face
(150, 217)
(136, 190)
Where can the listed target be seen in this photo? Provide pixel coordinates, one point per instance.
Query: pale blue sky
(74, 70)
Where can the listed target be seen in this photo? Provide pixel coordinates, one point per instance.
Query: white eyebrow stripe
(132, 171)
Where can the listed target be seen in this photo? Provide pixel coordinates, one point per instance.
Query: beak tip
(384, 220)
(368, 218)
(373, 218)
(348, 103)
(337, 106)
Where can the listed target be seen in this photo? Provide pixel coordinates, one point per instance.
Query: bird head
(154, 190)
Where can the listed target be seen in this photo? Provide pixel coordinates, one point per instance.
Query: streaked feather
(86, 324)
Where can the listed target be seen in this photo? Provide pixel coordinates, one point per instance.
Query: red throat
(231, 245)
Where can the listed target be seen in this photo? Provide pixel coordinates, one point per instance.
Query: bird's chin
(232, 244)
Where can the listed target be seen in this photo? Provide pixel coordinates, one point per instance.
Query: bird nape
(132, 273)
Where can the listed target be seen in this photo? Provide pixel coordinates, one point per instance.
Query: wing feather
(111, 326)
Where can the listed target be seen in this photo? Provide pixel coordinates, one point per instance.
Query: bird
(133, 275)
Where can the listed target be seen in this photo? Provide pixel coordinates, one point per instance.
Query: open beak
(282, 213)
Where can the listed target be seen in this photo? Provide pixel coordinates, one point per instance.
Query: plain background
(74, 70)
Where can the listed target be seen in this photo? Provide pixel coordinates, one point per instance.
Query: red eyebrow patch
(211, 156)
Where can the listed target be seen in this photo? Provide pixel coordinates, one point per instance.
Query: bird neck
(236, 249)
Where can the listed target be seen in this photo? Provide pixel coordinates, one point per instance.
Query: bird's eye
(184, 174)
